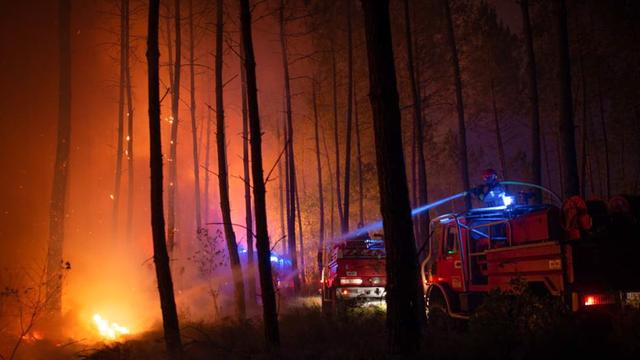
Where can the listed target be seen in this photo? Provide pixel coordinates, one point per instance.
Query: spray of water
(414, 212)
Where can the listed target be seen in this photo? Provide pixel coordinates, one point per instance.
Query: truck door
(450, 267)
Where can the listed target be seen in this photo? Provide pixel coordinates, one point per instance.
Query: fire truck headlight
(350, 281)
(376, 280)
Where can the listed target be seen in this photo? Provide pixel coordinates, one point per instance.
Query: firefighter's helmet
(489, 176)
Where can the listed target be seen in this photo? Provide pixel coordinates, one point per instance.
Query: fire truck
(582, 251)
(353, 272)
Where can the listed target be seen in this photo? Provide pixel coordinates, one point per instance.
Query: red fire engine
(353, 272)
(584, 251)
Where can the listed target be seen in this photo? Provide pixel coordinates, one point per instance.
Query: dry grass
(507, 327)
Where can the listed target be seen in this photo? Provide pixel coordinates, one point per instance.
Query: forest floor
(505, 328)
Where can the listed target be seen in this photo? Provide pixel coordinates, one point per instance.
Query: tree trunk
(605, 140)
(160, 254)
(303, 268)
(173, 144)
(532, 70)
(247, 188)
(262, 234)
(334, 72)
(61, 168)
(207, 157)
(319, 167)
(404, 299)
(130, 168)
(120, 130)
(496, 121)
(223, 178)
(359, 158)
(291, 167)
(545, 148)
(462, 130)
(331, 198)
(421, 178)
(194, 130)
(560, 165)
(344, 224)
(584, 130)
(282, 200)
(567, 127)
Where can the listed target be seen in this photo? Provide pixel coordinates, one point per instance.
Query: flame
(109, 330)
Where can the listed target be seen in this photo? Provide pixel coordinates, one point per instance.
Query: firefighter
(491, 192)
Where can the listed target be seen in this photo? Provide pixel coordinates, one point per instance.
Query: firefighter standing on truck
(491, 192)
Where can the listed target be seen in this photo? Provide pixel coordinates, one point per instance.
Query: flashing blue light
(273, 258)
(507, 200)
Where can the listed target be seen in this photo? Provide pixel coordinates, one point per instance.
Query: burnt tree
(291, 167)
(160, 254)
(247, 187)
(462, 128)
(129, 151)
(344, 221)
(316, 132)
(194, 130)
(173, 143)
(223, 177)
(120, 128)
(569, 157)
(61, 167)
(421, 178)
(532, 72)
(270, 316)
(404, 301)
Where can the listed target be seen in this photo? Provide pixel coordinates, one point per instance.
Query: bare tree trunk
(173, 144)
(319, 167)
(282, 196)
(207, 157)
(359, 158)
(496, 121)
(404, 299)
(583, 174)
(303, 268)
(532, 70)
(291, 167)
(194, 130)
(262, 234)
(61, 168)
(331, 197)
(546, 150)
(560, 165)
(120, 130)
(335, 131)
(223, 178)
(130, 168)
(567, 126)
(421, 178)
(605, 140)
(287, 183)
(462, 129)
(160, 254)
(344, 225)
(247, 188)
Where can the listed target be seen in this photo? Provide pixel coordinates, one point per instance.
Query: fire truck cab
(580, 252)
(353, 272)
